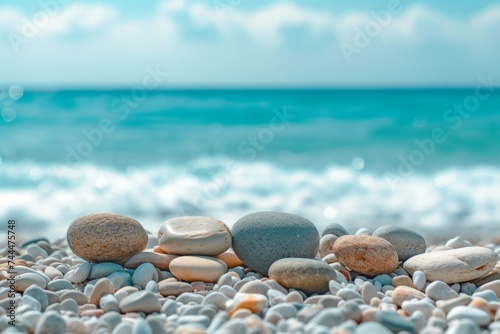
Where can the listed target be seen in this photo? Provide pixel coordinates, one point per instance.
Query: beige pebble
(167, 288)
(326, 244)
(241, 313)
(86, 307)
(402, 280)
(106, 237)
(102, 287)
(403, 293)
(330, 258)
(92, 313)
(52, 273)
(493, 286)
(230, 259)
(160, 261)
(367, 255)
(454, 266)
(253, 302)
(157, 249)
(194, 235)
(198, 268)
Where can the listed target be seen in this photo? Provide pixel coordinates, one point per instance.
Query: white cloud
(187, 34)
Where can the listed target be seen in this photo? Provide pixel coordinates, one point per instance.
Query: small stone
(394, 322)
(50, 322)
(160, 261)
(458, 242)
(447, 305)
(335, 229)
(102, 287)
(81, 272)
(142, 301)
(109, 303)
(188, 297)
(412, 306)
(262, 238)
(486, 279)
(106, 237)
(216, 299)
(368, 292)
(402, 280)
(59, 284)
(77, 296)
(366, 254)
(23, 281)
(173, 288)
(70, 305)
(38, 294)
(326, 244)
(419, 280)
(464, 312)
(255, 287)
(403, 293)
(329, 317)
(192, 235)
(310, 276)
(253, 302)
(52, 273)
(407, 242)
(143, 274)
(104, 269)
(452, 266)
(383, 279)
(198, 268)
(230, 259)
(493, 286)
(438, 290)
(372, 327)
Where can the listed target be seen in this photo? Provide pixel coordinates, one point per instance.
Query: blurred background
(363, 113)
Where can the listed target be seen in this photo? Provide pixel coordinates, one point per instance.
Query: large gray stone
(407, 242)
(261, 238)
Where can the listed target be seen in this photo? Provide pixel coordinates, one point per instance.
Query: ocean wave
(45, 199)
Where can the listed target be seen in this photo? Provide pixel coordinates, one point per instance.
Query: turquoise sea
(363, 157)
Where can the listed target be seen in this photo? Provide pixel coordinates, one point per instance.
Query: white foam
(44, 201)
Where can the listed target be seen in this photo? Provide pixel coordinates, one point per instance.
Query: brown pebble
(230, 259)
(402, 280)
(367, 255)
(326, 244)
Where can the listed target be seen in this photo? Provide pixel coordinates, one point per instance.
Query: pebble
(419, 280)
(38, 294)
(403, 293)
(23, 281)
(106, 237)
(108, 302)
(412, 306)
(166, 288)
(102, 287)
(104, 269)
(160, 261)
(255, 287)
(310, 276)
(60, 284)
(192, 235)
(335, 229)
(230, 259)
(326, 244)
(372, 327)
(198, 268)
(447, 305)
(368, 292)
(394, 322)
(402, 280)
(143, 274)
(407, 242)
(81, 272)
(452, 266)
(49, 323)
(493, 286)
(438, 290)
(142, 301)
(458, 242)
(367, 255)
(480, 317)
(251, 301)
(261, 238)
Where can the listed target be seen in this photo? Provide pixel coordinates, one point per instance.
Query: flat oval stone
(192, 235)
(465, 312)
(262, 238)
(102, 287)
(403, 293)
(230, 258)
(367, 255)
(160, 261)
(81, 272)
(104, 269)
(142, 301)
(23, 281)
(307, 275)
(493, 286)
(50, 322)
(454, 266)
(407, 242)
(143, 274)
(106, 237)
(166, 288)
(198, 268)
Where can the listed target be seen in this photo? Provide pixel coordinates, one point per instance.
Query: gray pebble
(50, 322)
(39, 294)
(82, 272)
(108, 302)
(216, 299)
(335, 229)
(70, 305)
(103, 269)
(371, 327)
(141, 326)
(188, 297)
(143, 274)
(60, 284)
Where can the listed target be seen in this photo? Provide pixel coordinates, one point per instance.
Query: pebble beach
(271, 272)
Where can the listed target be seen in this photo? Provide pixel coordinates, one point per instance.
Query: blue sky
(242, 43)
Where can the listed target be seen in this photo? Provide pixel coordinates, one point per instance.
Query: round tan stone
(307, 275)
(192, 235)
(160, 261)
(106, 237)
(198, 268)
(167, 288)
(403, 293)
(365, 254)
(230, 259)
(402, 280)
(455, 265)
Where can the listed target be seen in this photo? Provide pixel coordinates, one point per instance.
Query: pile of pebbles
(272, 272)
